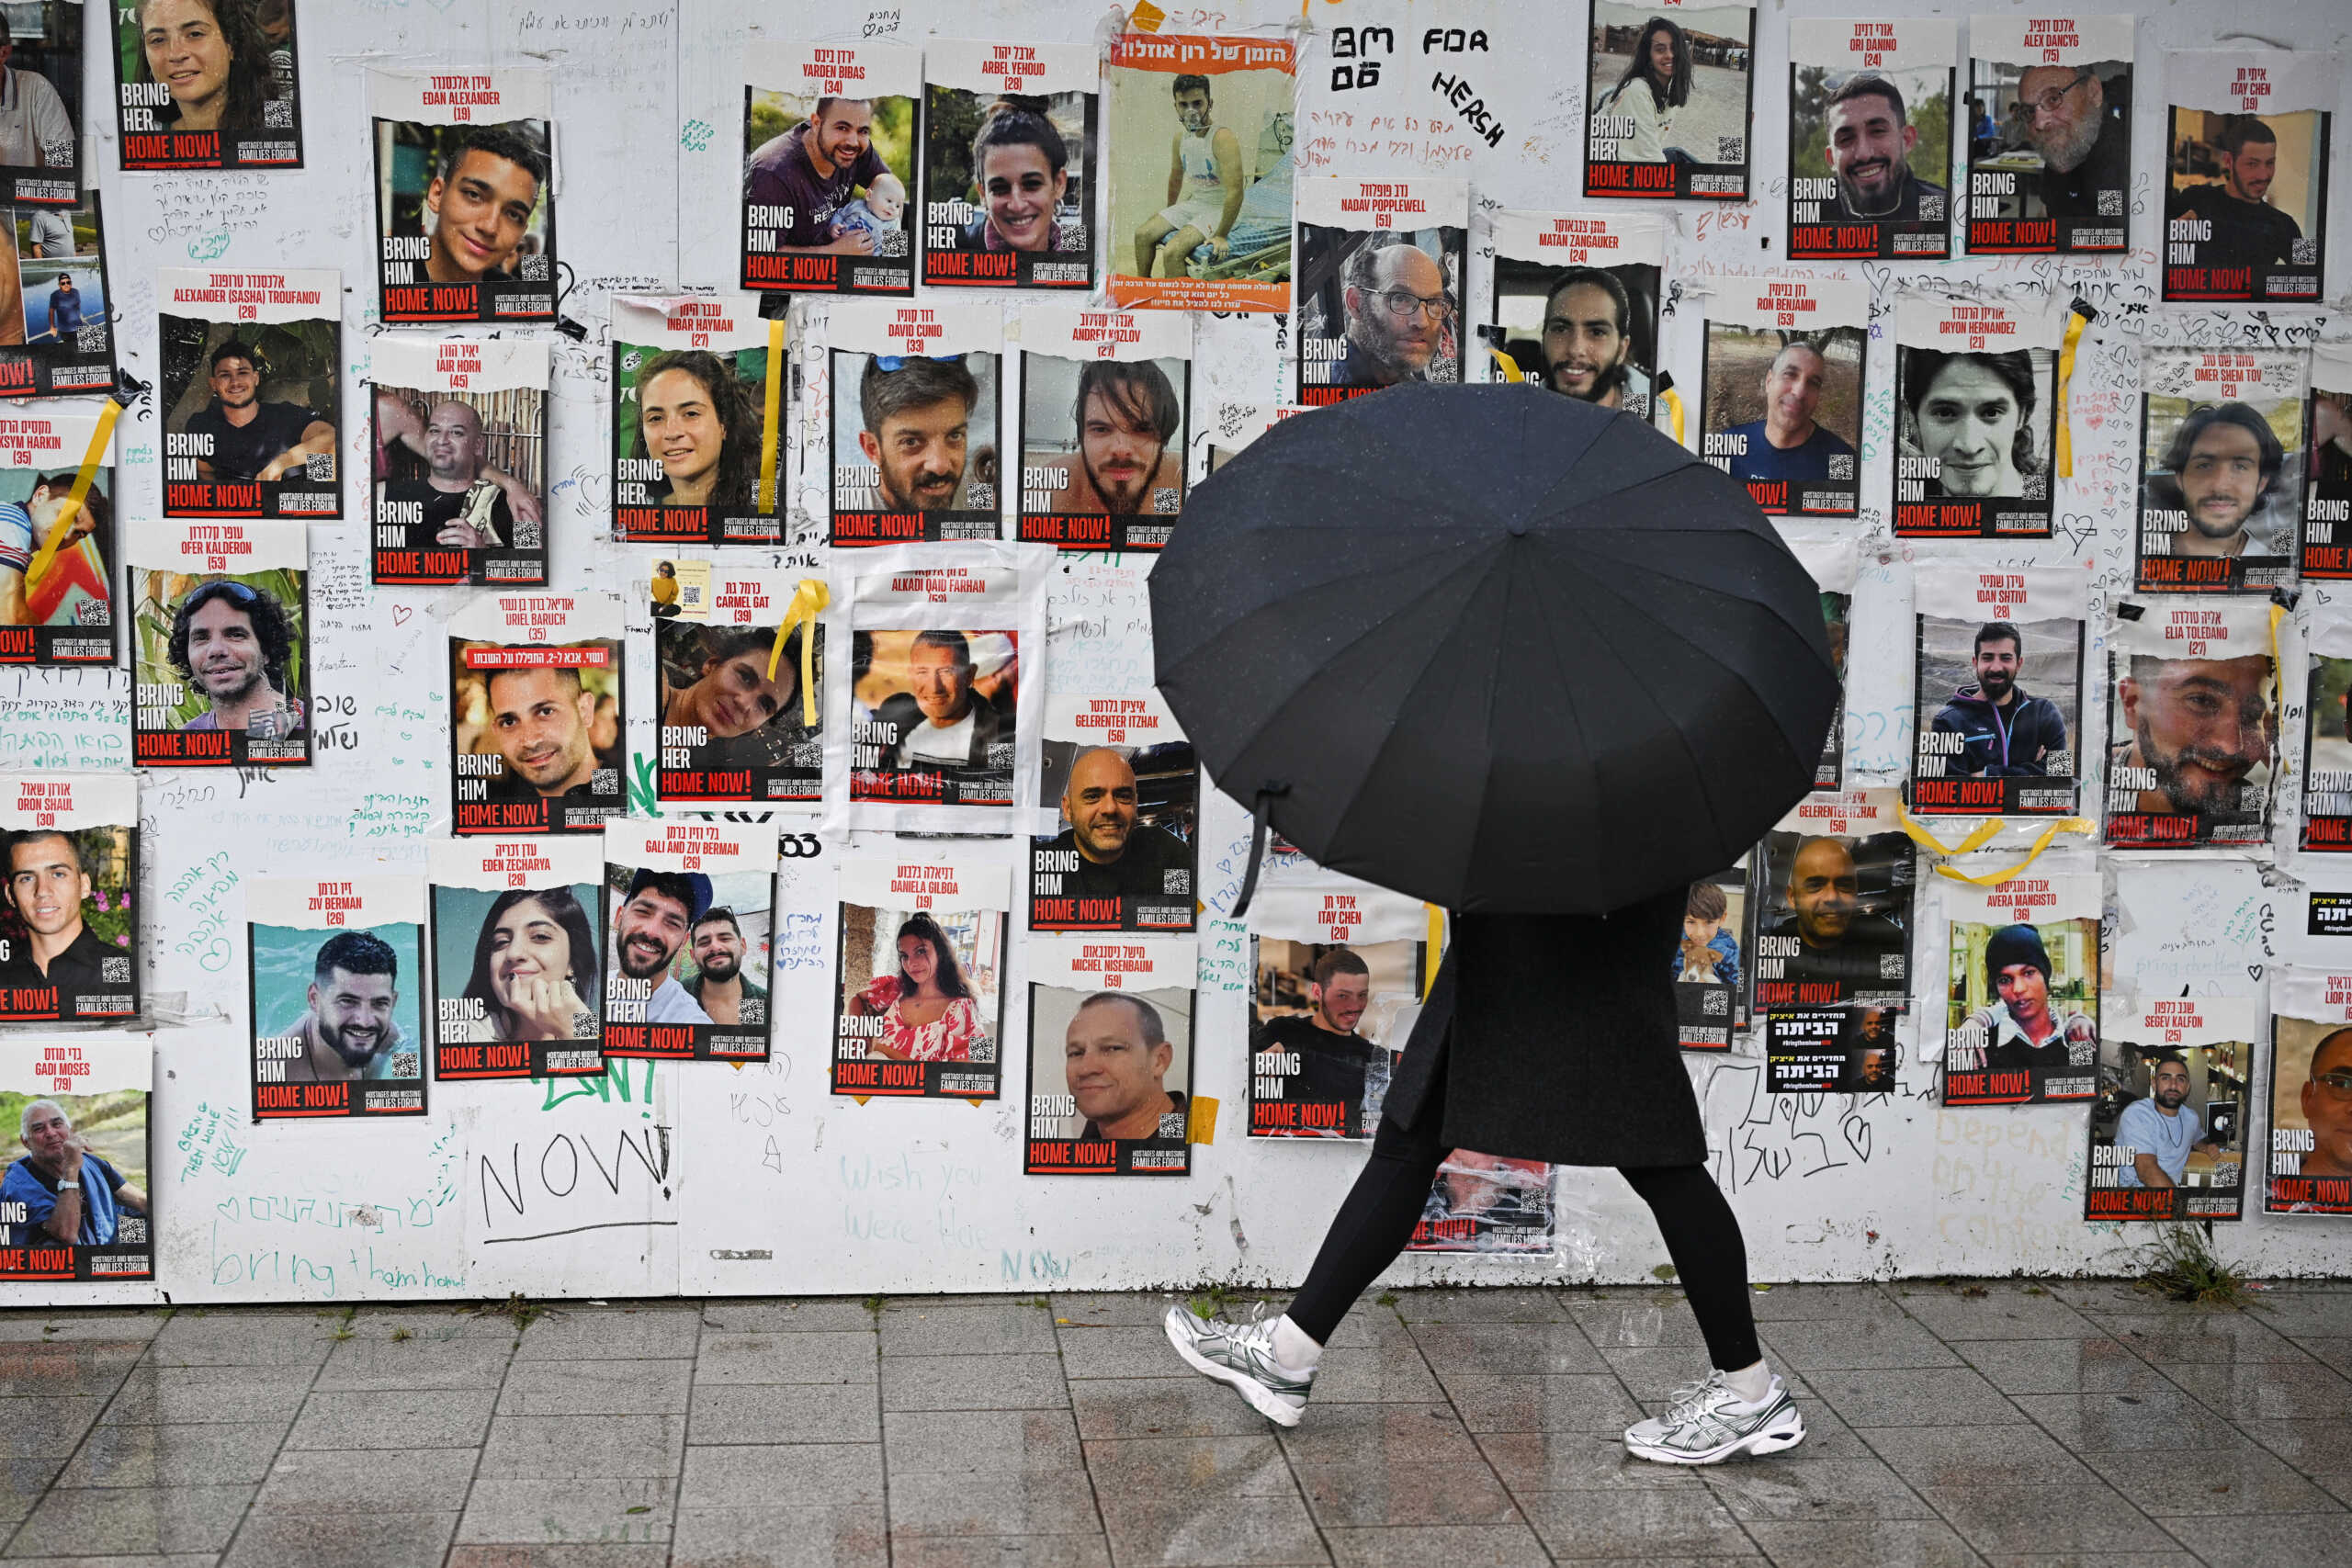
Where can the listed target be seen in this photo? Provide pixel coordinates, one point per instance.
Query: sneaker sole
(1770, 1439)
(1253, 1391)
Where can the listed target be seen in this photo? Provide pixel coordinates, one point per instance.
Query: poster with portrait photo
(1998, 685)
(57, 555)
(252, 366)
(1227, 429)
(1781, 391)
(334, 977)
(1487, 1203)
(2328, 501)
(1832, 889)
(2053, 174)
(2326, 777)
(69, 947)
(2192, 724)
(220, 643)
(1830, 558)
(2308, 1168)
(1377, 299)
(1010, 151)
(2021, 1027)
(465, 194)
(1710, 961)
(1105, 403)
(920, 1010)
(40, 156)
(1110, 1056)
(1850, 1050)
(206, 85)
(2246, 188)
(1976, 408)
(1575, 298)
(689, 933)
(1336, 986)
(735, 722)
(518, 943)
(698, 411)
(80, 1106)
(917, 422)
(538, 732)
(828, 181)
(459, 486)
(1671, 86)
(1212, 119)
(1870, 138)
(1119, 797)
(2168, 1131)
(2221, 470)
(56, 308)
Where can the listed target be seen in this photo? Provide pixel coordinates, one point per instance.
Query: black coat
(1557, 1037)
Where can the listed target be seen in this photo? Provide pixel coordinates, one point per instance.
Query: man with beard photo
(252, 440)
(2084, 149)
(2326, 1099)
(348, 1031)
(2023, 1031)
(464, 500)
(1333, 1059)
(1397, 315)
(721, 989)
(2160, 1131)
(653, 922)
(1867, 1040)
(540, 717)
(809, 173)
(2008, 733)
(941, 722)
(1588, 335)
(918, 429)
(2247, 231)
(2218, 470)
(1117, 857)
(232, 643)
(481, 202)
(1787, 443)
(1127, 412)
(49, 887)
(2198, 726)
(1836, 940)
(1870, 142)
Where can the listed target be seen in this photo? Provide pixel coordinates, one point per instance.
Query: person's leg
(1177, 246)
(1147, 240)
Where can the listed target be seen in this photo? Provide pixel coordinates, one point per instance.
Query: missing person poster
(1670, 87)
(2326, 774)
(1780, 393)
(1975, 414)
(2328, 501)
(220, 655)
(73, 1206)
(689, 930)
(1211, 120)
(517, 957)
(1123, 793)
(2309, 1169)
(1487, 1203)
(1106, 398)
(58, 556)
(460, 475)
(2052, 172)
(2168, 1130)
(2022, 1025)
(1870, 138)
(1850, 1050)
(1110, 1056)
(918, 436)
(2193, 724)
(1999, 681)
(1377, 299)
(465, 194)
(1011, 147)
(698, 414)
(828, 181)
(734, 723)
(1228, 429)
(539, 734)
(2245, 196)
(2221, 447)
(252, 365)
(1335, 986)
(1575, 298)
(920, 1012)
(69, 947)
(334, 971)
(56, 310)
(1710, 961)
(41, 155)
(1831, 888)
(206, 84)
(1831, 559)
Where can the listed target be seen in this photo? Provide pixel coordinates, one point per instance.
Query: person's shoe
(1708, 1423)
(1240, 1355)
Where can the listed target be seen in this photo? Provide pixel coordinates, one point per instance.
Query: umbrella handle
(1258, 826)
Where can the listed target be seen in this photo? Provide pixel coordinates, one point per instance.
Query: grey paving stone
(2095, 1560)
(378, 1361)
(1505, 1349)
(1458, 1545)
(1480, 1307)
(2236, 1480)
(2095, 1364)
(2300, 1313)
(152, 1393)
(783, 1413)
(2170, 1337)
(1936, 1396)
(622, 1511)
(140, 1559)
(2070, 1518)
(915, 1441)
(810, 1357)
(1989, 1458)
(1794, 1487)
(349, 1541)
(438, 1418)
(2337, 1483)
(1390, 1375)
(2116, 1423)
(98, 1521)
(431, 1325)
(222, 1454)
(1119, 1353)
(47, 1429)
(1876, 1543)
(245, 1336)
(1000, 1328)
(1541, 1403)
(1097, 1309)
(1577, 1462)
(2333, 1349)
(2309, 1446)
(1632, 1324)
(1012, 1381)
(2115, 1295)
(596, 1388)
(1999, 1311)
(366, 1481)
(2265, 1390)
(781, 1538)
(1375, 1492)
(582, 1447)
(1633, 1523)
(2292, 1540)
(1159, 1407)
(1179, 1532)
(788, 1475)
(818, 1314)
(1652, 1373)
(65, 1324)
(65, 1368)
(1812, 1345)
(1390, 1434)
(1833, 1304)
(585, 1332)
(1001, 1551)
(22, 1481)
(1014, 1501)
(568, 1554)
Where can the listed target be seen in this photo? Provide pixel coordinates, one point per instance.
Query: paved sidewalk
(2007, 1423)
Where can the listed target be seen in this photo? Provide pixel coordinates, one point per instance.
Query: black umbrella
(1493, 648)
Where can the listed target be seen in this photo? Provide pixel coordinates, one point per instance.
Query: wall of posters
(70, 950)
(690, 911)
(1780, 406)
(336, 977)
(460, 480)
(220, 656)
(1106, 400)
(518, 942)
(1110, 1056)
(2168, 1133)
(252, 393)
(698, 412)
(920, 1010)
(1870, 123)
(2192, 724)
(829, 180)
(1011, 151)
(2000, 680)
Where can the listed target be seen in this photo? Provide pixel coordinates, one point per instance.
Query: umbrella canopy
(1495, 649)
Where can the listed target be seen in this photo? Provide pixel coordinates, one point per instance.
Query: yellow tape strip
(810, 597)
(2065, 421)
(1200, 1120)
(1925, 840)
(1146, 16)
(1510, 366)
(771, 425)
(1674, 409)
(1994, 878)
(90, 460)
(1429, 955)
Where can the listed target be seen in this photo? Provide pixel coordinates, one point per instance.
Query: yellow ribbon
(1994, 878)
(90, 460)
(1431, 953)
(810, 597)
(1512, 372)
(1200, 1120)
(771, 429)
(1673, 401)
(2075, 322)
(1925, 840)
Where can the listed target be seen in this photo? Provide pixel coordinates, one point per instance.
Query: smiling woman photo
(535, 963)
(213, 58)
(1021, 167)
(702, 425)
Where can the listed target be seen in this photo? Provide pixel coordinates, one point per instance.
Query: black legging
(1372, 1226)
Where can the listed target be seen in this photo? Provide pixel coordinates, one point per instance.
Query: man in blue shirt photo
(2159, 1131)
(69, 1195)
(1787, 443)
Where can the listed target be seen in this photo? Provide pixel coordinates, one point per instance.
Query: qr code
(1171, 1126)
(319, 467)
(1001, 754)
(527, 535)
(93, 613)
(983, 1050)
(1731, 149)
(1716, 1003)
(751, 1010)
(893, 243)
(277, 114)
(2303, 253)
(2037, 487)
(1167, 501)
(535, 269)
(1890, 966)
(129, 1227)
(1841, 466)
(115, 969)
(605, 781)
(1931, 207)
(2111, 204)
(983, 496)
(404, 1066)
(1075, 237)
(91, 339)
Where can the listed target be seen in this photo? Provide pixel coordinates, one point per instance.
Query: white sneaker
(1708, 1423)
(1242, 1356)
